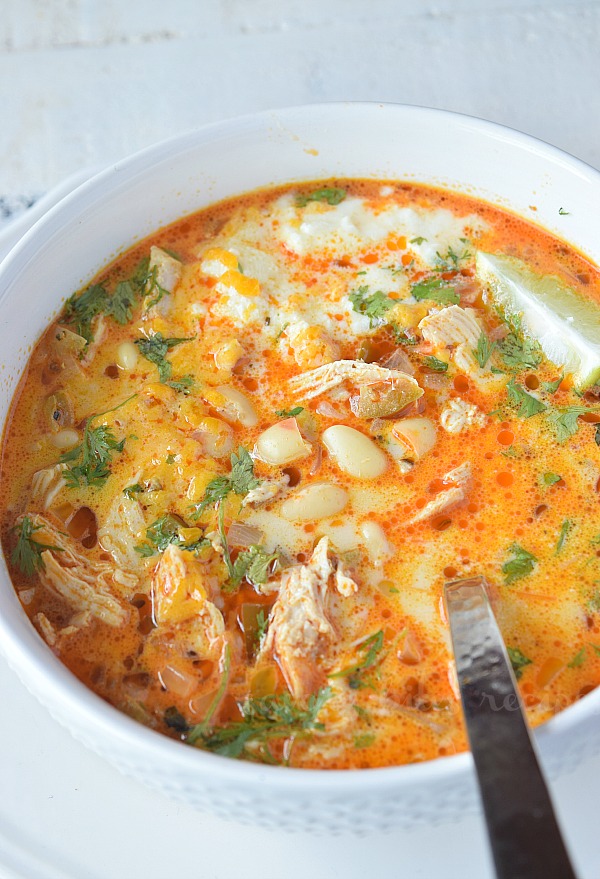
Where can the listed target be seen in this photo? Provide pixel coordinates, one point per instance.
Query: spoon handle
(524, 834)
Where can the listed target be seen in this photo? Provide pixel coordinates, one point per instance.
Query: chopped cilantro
(131, 490)
(92, 455)
(435, 364)
(262, 624)
(27, 554)
(552, 387)
(484, 350)
(565, 421)
(121, 303)
(549, 478)
(362, 713)
(527, 404)
(373, 305)
(330, 194)
(564, 213)
(253, 564)
(450, 261)
(364, 740)
(521, 564)
(437, 290)
(164, 531)
(183, 385)
(289, 413)
(418, 240)
(170, 459)
(520, 353)
(564, 533)
(578, 659)
(155, 349)
(371, 648)
(269, 718)
(518, 660)
(81, 309)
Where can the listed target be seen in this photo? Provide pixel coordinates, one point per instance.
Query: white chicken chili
(242, 463)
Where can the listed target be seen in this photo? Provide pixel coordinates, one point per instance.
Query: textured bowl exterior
(131, 199)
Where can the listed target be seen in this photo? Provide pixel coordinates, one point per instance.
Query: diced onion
(176, 681)
(241, 534)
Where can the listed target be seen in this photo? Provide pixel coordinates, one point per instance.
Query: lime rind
(566, 325)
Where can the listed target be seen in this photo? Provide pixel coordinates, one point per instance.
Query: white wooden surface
(83, 82)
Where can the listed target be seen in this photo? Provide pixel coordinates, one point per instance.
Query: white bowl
(128, 201)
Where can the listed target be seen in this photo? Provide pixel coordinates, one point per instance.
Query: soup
(243, 462)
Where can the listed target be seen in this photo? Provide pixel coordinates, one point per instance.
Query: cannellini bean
(281, 444)
(65, 439)
(237, 407)
(376, 542)
(353, 452)
(417, 435)
(127, 356)
(317, 501)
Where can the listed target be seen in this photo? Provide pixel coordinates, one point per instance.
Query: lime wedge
(566, 325)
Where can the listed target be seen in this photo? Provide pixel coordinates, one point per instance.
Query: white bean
(65, 439)
(127, 356)
(353, 452)
(237, 407)
(376, 542)
(281, 444)
(317, 501)
(416, 435)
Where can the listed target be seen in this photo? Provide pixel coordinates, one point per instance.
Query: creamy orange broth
(178, 650)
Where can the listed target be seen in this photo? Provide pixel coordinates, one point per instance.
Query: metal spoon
(522, 827)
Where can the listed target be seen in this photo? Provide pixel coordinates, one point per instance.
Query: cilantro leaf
(121, 303)
(520, 353)
(435, 364)
(289, 413)
(27, 554)
(81, 309)
(527, 405)
(563, 212)
(240, 481)
(552, 387)
(484, 350)
(565, 421)
(183, 384)
(437, 290)
(518, 660)
(549, 478)
(330, 194)
(418, 240)
(522, 563)
(253, 564)
(578, 659)
(268, 718)
(155, 349)
(164, 531)
(131, 490)
(450, 261)
(373, 305)
(364, 740)
(90, 460)
(372, 649)
(564, 533)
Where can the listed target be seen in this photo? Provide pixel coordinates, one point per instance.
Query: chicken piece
(324, 378)
(457, 481)
(189, 623)
(266, 491)
(458, 415)
(311, 345)
(50, 633)
(165, 268)
(85, 585)
(299, 628)
(121, 530)
(46, 485)
(451, 326)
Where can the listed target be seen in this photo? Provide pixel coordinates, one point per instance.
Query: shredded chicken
(121, 530)
(266, 491)
(311, 345)
(299, 627)
(46, 485)
(324, 378)
(457, 481)
(168, 269)
(85, 585)
(458, 415)
(451, 326)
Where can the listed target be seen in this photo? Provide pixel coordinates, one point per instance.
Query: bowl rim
(31, 657)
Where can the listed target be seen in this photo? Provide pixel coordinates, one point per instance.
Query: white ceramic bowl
(131, 199)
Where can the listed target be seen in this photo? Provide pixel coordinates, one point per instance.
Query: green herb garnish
(565, 422)
(330, 194)
(519, 353)
(522, 563)
(130, 491)
(527, 405)
(372, 648)
(435, 364)
(155, 349)
(165, 531)
(289, 413)
(374, 305)
(484, 350)
(578, 659)
(549, 478)
(437, 290)
(518, 660)
(183, 385)
(365, 740)
(564, 533)
(27, 554)
(253, 564)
